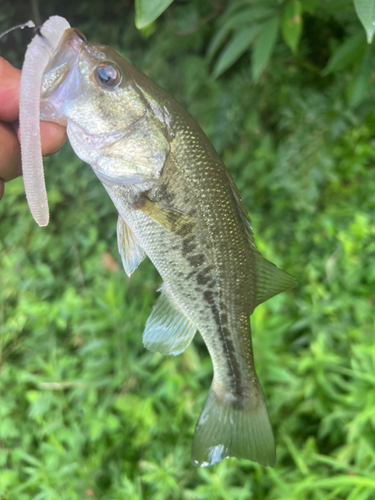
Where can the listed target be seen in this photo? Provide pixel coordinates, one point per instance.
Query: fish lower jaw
(50, 113)
(111, 169)
(110, 180)
(92, 140)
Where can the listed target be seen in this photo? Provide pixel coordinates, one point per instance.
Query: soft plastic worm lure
(37, 56)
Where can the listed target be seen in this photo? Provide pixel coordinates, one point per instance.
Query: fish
(177, 204)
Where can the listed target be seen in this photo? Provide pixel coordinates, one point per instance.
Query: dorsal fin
(270, 280)
(168, 330)
(242, 212)
(130, 250)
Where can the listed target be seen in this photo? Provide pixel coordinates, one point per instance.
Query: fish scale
(177, 204)
(232, 263)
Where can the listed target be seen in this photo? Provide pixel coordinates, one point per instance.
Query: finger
(52, 136)
(9, 91)
(1, 188)
(10, 158)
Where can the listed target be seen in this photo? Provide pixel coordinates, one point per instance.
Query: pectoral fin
(131, 252)
(173, 220)
(168, 330)
(270, 279)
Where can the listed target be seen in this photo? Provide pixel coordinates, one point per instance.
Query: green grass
(87, 412)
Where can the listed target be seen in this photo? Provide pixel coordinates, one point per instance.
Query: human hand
(53, 135)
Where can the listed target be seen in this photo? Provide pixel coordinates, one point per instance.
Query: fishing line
(36, 14)
(29, 24)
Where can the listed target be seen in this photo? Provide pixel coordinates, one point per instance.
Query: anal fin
(168, 330)
(131, 252)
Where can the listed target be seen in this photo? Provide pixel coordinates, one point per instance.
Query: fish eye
(108, 74)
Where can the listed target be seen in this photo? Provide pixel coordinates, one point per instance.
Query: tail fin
(226, 430)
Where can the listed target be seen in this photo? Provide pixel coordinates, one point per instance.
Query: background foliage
(85, 411)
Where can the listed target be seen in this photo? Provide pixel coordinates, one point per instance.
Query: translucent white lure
(37, 56)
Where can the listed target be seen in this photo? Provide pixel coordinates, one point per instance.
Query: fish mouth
(61, 77)
(64, 58)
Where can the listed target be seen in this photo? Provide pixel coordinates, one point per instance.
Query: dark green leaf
(346, 54)
(310, 5)
(249, 16)
(217, 40)
(244, 18)
(292, 24)
(263, 46)
(365, 10)
(241, 41)
(146, 11)
(362, 82)
(235, 6)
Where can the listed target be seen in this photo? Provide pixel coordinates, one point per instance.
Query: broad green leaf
(236, 6)
(365, 10)
(243, 19)
(241, 40)
(146, 11)
(310, 6)
(348, 52)
(249, 16)
(263, 46)
(361, 85)
(292, 24)
(217, 40)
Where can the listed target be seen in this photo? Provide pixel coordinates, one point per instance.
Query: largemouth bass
(177, 204)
